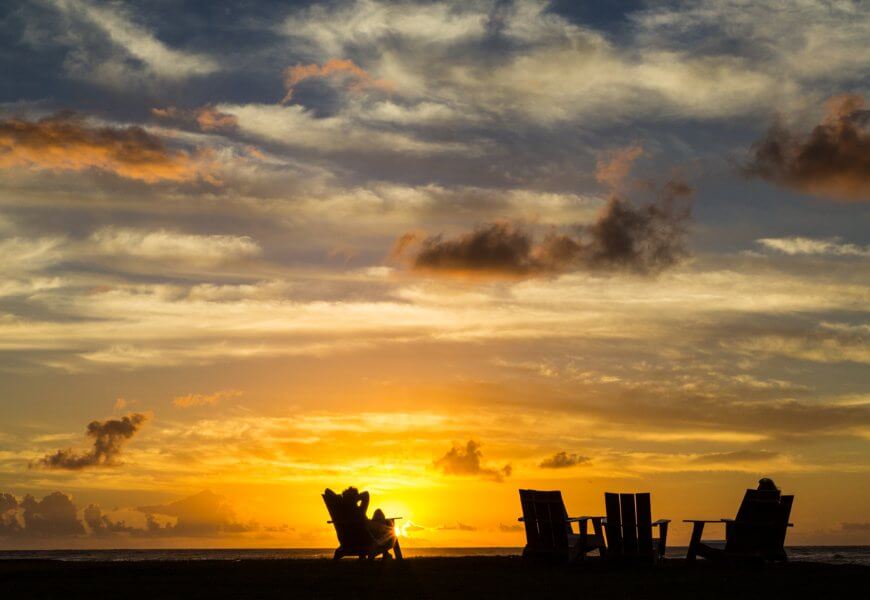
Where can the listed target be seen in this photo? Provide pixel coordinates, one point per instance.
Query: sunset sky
(438, 251)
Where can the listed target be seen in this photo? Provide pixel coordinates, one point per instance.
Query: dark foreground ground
(478, 577)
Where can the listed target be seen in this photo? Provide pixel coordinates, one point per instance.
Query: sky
(438, 251)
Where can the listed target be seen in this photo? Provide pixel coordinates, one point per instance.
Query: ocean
(826, 554)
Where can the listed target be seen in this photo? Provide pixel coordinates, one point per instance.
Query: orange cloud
(207, 118)
(64, 142)
(614, 170)
(833, 160)
(191, 400)
(358, 80)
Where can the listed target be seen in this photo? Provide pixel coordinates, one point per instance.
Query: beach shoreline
(445, 577)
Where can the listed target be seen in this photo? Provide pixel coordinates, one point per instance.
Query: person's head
(767, 484)
(351, 493)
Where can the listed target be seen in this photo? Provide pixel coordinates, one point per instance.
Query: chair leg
(397, 550)
(695, 542)
(338, 554)
(663, 540)
(599, 536)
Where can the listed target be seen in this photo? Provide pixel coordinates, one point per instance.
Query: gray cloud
(466, 461)
(862, 527)
(109, 438)
(833, 160)
(642, 239)
(562, 460)
(509, 528)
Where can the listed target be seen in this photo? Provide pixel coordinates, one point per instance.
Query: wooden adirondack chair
(629, 528)
(549, 533)
(355, 537)
(758, 531)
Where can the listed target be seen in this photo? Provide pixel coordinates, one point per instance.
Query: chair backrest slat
(629, 524)
(644, 524)
(614, 524)
(530, 518)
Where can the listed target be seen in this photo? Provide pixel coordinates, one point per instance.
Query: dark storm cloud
(109, 438)
(7, 502)
(562, 460)
(832, 161)
(642, 239)
(467, 461)
(66, 142)
(54, 515)
(101, 524)
(9, 524)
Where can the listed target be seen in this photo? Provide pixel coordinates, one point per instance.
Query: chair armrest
(353, 521)
(789, 524)
(703, 521)
(581, 519)
(521, 520)
(660, 522)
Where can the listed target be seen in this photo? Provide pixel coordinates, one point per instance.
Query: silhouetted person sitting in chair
(379, 527)
(354, 497)
(766, 484)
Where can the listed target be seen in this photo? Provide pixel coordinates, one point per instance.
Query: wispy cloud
(135, 42)
(174, 246)
(811, 246)
(191, 400)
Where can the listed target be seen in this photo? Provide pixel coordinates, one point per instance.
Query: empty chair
(549, 530)
(357, 535)
(629, 528)
(757, 532)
